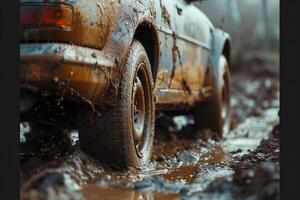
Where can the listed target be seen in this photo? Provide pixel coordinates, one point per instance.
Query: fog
(253, 25)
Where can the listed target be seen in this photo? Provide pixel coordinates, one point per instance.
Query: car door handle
(179, 9)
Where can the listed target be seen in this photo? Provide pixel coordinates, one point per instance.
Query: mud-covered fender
(130, 14)
(219, 41)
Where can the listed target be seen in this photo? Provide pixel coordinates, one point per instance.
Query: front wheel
(216, 113)
(123, 135)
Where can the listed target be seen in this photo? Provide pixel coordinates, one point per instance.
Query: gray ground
(185, 164)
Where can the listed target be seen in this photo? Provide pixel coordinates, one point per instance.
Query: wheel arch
(146, 34)
(221, 45)
(227, 50)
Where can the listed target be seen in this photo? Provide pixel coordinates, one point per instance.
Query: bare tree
(234, 20)
(268, 31)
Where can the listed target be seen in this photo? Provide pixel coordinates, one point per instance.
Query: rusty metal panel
(108, 27)
(92, 22)
(193, 43)
(165, 19)
(60, 68)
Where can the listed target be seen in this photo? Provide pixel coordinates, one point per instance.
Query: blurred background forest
(254, 26)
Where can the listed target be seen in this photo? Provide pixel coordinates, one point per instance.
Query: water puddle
(91, 192)
(184, 174)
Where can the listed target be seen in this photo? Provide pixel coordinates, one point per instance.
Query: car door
(193, 42)
(165, 20)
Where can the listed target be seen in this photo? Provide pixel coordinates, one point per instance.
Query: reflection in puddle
(91, 192)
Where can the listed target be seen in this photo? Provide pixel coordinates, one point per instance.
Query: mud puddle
(92, 192)
(186, 167)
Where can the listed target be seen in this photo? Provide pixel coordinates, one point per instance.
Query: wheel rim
(140, 110)
(225, 109)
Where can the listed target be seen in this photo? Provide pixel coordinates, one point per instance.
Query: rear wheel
(123, 135)
(216, 113)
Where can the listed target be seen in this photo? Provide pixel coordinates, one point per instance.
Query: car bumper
(71, 69)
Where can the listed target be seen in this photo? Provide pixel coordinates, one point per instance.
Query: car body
(81, 60)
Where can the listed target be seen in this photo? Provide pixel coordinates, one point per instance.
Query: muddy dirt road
(185, 164)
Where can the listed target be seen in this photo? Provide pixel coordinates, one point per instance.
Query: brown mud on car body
(125, 59)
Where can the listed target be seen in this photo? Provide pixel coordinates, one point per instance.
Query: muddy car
(118, 63)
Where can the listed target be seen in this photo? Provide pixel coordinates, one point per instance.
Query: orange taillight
(47, 15)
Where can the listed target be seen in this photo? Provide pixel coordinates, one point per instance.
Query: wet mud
(185, 164)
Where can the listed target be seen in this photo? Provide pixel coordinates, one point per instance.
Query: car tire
(215, 114)
(123, 135)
